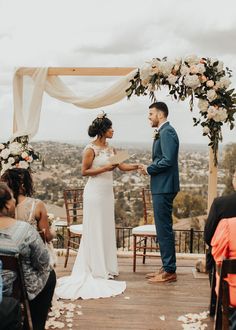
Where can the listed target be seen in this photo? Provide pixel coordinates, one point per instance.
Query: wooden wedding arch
(121, 71)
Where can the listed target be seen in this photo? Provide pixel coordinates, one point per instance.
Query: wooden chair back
(13, 263)
(74, 205)
(147, 206)
(223, 302)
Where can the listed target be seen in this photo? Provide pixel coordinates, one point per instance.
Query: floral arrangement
(17, 153)
(156, 135)
(203, 78)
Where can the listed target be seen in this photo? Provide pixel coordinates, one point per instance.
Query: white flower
(221, 115)
(178, 61)
(172, 79)
(184, 70)
(11, 160)
(217, 114)
(192, 59)
(5, 166)
(2, 146)
(5, 153)
(203, 78)
(210, 83)
(155, 66)
(166, 68)
(197, 68)
(203, 105)
(145, 73)
(201, 68)
(193, 69)
(225, 82)
(206, 130)
(15, 148)
(23, 164)
(211, 112)
(211, 95)
(24, 155)
(192, 81)
(220, 66)
(155, 62)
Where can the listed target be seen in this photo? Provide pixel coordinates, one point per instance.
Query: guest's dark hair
(5, 195)
(19, 180)
(161, 106)
(99, 126)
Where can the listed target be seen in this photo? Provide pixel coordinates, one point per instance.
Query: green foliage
(199, 77)
(187, 204)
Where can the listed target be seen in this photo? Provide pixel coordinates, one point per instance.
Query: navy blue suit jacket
(164, 170)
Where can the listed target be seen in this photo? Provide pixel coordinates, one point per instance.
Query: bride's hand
(110, 167)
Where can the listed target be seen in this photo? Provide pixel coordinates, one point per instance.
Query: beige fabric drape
(55, 87)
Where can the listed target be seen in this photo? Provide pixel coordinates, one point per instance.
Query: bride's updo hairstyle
(99, 126)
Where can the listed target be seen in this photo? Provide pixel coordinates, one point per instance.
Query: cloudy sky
(92, 33)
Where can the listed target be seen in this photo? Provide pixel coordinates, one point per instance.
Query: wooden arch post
(212, 180)
(122, 71)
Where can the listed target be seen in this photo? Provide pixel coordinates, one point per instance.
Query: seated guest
(27, 208)
(222, 207)
(224, 246)
(21, 237)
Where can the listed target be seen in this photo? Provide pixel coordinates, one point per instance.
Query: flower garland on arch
(203, 78)
(18, 153)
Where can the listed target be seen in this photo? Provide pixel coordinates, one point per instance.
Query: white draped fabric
(55, 87)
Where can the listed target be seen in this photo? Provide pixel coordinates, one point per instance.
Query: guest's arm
(42, 219)
(220, 241)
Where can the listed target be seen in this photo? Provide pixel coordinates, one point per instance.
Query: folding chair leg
(213, 293)
(67, 252)
(144, 250)
(218, 315)
(134, 254)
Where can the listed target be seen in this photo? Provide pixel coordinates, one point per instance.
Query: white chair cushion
(60, 223)
(76, 229)
(144, 230)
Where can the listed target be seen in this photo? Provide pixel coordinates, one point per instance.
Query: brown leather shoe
(163, 277)
(160, 271)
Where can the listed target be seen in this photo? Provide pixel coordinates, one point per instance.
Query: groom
(164, 175)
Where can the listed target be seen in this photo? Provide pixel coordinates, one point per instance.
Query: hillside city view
(61, 168)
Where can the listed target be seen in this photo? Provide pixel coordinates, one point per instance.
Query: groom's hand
(143, 169)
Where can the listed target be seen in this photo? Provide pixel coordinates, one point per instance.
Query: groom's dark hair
(161, 106)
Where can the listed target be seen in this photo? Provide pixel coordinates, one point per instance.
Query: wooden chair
(223, 303)
(146, 234)
(13, 263)
(213, 298)
(74, 212)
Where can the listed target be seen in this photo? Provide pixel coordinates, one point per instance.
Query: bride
(96, 262)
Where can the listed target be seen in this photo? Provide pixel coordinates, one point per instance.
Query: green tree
(189, 204)
(229, 164)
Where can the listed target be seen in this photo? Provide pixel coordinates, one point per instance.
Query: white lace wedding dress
(96, 260)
